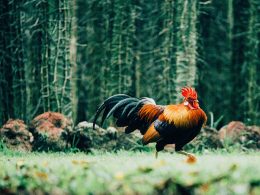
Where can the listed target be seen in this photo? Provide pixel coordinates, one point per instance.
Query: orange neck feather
(183, 117)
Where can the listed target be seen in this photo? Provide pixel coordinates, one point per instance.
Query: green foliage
(213, 123)
(128, 172)
(2, 146)
(5, 151)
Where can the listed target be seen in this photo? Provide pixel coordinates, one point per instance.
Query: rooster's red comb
(189, 92)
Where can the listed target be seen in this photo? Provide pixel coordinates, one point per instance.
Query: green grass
(129, 173)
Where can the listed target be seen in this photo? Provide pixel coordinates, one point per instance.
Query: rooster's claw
(191, 159)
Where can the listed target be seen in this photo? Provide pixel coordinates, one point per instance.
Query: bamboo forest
(68, 56)
(179, 74)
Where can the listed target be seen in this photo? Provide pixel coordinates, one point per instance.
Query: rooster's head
(190, 98)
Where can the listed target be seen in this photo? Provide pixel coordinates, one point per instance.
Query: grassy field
(129, 173)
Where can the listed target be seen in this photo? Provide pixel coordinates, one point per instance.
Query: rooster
(171, 124)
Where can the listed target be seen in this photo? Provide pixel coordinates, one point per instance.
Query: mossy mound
(51, 131)
(16, 136)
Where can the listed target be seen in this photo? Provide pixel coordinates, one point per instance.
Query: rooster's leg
(156, 154)
(159, 147)
(191, 157)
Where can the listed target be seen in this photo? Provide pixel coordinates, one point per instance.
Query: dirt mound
(232, 130)
(51, 131)
(238, 132)
(16, 136)
(87, 139)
